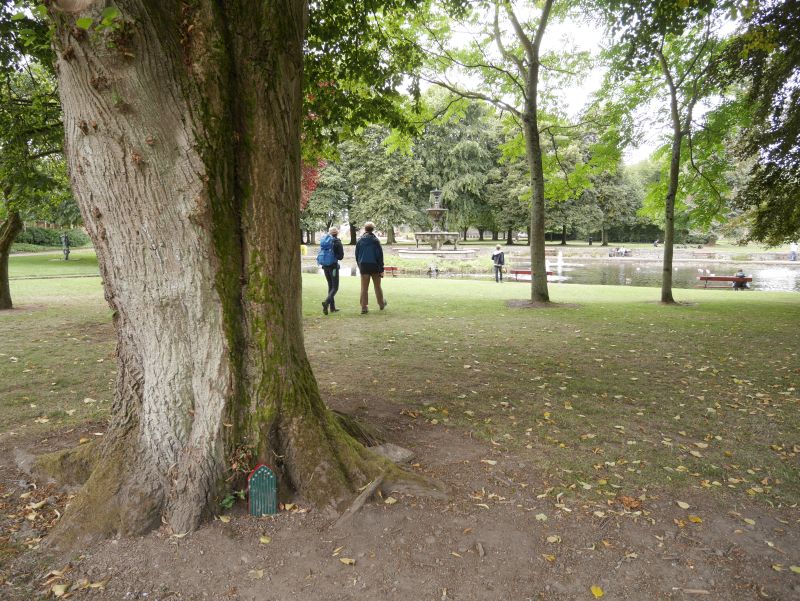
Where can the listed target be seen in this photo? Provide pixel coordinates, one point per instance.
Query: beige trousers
(376, 282)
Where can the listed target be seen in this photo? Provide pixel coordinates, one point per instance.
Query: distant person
(740, 285)
(330, 253)
(793, 251)
(590, 240)
(369, 257)
(657, 242)
(499, 259)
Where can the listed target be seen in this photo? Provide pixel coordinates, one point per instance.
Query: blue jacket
(369, 254)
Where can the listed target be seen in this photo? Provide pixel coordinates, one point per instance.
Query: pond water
(645, 273)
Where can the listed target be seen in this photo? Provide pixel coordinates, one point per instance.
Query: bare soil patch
(499, 535)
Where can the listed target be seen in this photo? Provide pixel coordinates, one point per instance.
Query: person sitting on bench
(740, 285)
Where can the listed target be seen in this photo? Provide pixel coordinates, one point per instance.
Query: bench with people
(739, 281)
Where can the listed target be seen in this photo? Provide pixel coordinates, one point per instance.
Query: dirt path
(500, 536)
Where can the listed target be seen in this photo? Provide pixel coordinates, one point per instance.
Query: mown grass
(81, 262)
(608, 391)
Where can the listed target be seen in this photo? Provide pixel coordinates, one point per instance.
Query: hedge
(46, 237)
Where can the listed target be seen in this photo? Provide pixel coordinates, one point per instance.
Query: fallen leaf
(795, 569)
(489, 461)
(256, 574)
(554, 538)
(58, 590)
(630, 502)
(83, 440)
(540, 517)
(390, 500)
(265, 540)
(682, 505)
(777, 567)
(695, 519)
(597, 592)
(347, 561)
(549, 557)
(749, 521)
(224, 519)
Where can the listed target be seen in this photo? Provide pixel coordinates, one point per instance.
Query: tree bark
(672, 187)
(390, 235)
(8, 232)
(495, 235)
(603, 235)
(465, 233)
(353, 234)
(183, 145)
(480, 235)
(563, 235)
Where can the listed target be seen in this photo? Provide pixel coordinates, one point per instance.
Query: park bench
(723, 278)
(518, 272)
(392, 270)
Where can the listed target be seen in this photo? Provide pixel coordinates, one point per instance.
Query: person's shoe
(364, 310)
(324, 307)
(383, 306)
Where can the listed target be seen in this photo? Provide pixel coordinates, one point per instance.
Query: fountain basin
(437, 239)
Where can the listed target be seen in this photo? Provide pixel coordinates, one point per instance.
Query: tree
(30, 130)
(672, 53)
(183, 142)
(766, 55)
(511, 82)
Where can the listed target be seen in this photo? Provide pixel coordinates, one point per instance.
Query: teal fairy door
(262, 486)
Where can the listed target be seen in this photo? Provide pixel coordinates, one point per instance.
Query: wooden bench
(518, 272)
(392, 270)
(724, 278)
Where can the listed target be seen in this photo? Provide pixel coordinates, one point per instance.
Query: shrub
(46, 237)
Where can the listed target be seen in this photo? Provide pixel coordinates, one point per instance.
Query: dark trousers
(498, 273)
(332, 276)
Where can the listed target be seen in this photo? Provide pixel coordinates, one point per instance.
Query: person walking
(499, 259)
(331, 252)
(793, 251)
(369, 257)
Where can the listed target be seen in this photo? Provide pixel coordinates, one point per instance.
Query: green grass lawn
(81, 262)
(609, 392)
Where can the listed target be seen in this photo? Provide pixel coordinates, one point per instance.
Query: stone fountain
(436, 237)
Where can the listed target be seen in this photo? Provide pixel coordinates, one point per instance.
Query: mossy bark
(8, 231)
(183, 143)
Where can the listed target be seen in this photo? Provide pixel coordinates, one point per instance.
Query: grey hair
(333, 230)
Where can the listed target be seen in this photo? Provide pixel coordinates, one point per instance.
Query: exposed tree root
(69, 466)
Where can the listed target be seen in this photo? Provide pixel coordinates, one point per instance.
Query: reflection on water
(631, 273)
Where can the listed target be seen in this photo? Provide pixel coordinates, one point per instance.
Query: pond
(784, 278)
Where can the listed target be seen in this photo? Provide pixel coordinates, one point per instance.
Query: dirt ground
(498, 536)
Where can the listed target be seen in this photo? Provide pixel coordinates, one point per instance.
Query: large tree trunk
(510, 237)
(563, 235)
(465, 233)
(603, 235)
(8, 231)
(183, 145)
(495, 235)
(353, 234)
(480, 235)
(390, 235)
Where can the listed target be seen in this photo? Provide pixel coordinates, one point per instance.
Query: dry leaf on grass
(597, 592)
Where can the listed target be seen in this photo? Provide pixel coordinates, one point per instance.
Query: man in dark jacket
(332, 272)
(369, 256)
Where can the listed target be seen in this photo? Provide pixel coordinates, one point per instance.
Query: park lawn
(608, 392)
(82, 262)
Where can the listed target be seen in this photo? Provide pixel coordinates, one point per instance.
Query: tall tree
(766, 55)
(182, 129)
(31, 165)
(669, 53)
(509, 58)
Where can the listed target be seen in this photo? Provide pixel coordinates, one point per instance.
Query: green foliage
(229, 500)
(766, 54)
(48, 237)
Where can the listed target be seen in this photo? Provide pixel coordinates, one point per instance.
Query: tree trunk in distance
(8, 232)
(495, 235)
(390, 239)
(353, 235)
(183, 146)
(480, 235)
(510, 237)
(312, 237)
(563, 235)
(604, 236)
(465, 234)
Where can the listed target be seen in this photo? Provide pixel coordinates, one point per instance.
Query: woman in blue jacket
(369, 256)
